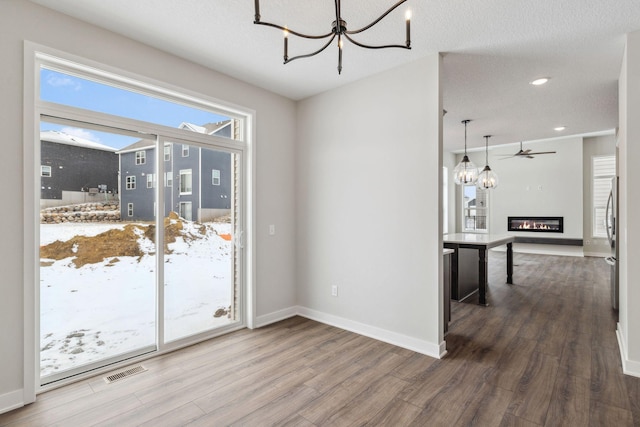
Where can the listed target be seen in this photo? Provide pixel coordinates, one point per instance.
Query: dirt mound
(90, 250)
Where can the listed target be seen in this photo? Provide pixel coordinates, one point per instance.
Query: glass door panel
(200, 257)
(97, 251)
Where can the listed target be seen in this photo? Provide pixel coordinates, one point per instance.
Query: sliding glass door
(97, 267)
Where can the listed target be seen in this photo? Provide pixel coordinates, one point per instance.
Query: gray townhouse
(197, 181)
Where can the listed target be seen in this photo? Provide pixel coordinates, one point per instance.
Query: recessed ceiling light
(540, 81)
(559, 128)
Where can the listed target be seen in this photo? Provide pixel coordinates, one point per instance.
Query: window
(215, 177)
(475, 208)
(185, 181)
(167, 152)
(141, 157)
(131, 182)
(168, 179)
(445, 200)
(45, 171)
(603, 169)
(130, 209)
(149, 180)
(185, 150)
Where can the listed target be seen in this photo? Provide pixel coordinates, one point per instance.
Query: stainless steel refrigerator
(611, 219)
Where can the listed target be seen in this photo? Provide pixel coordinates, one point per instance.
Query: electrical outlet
(334, 291)
(272, 230)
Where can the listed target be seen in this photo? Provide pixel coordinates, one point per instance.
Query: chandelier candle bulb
(286, 45)
(408, 18)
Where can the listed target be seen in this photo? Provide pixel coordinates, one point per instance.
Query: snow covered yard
(98, 292)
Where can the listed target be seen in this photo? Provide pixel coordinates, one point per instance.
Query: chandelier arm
(280, 27)
(391, 9)
(308, 55)
(401, 46)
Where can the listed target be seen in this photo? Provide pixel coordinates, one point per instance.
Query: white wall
(22, 20)
(594, 146)
(548, 185)
(369, 173)
(628, 226)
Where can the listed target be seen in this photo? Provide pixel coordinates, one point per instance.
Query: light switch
(272, 230)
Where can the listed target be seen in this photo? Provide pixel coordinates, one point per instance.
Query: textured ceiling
(491, 49)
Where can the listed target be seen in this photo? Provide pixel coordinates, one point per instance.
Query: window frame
(185, 172)
(167, 152)
(476, 209)
(215, 178)
(42, 171)
(130, 182)
(129, 209)
(141, 157)
(243, 146)
(185, 150)
(607, 177)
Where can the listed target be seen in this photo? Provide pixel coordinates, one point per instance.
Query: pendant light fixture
(465, 172)
(339, 30)
(487, 178)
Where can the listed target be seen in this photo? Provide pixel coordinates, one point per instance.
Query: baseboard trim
(274, 317)
(629, 367)
(420, 346)
(12, 400)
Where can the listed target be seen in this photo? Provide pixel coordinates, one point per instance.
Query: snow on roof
(209, 128)
(64, 138)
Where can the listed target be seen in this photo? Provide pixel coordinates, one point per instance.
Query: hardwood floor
(544, 353)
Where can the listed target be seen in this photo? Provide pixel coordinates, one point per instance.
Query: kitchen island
(462, 264)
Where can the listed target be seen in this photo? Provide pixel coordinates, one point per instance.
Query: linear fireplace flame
(543, 224)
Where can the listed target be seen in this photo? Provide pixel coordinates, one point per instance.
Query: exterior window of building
(185, 150)
(167, 152)
(45, 171)
(130, 209)
(168, 179)
(131, 182)
(603, 169)
(150, 180)
(215, 177)
(185, 181)
(475, 209)
(141, 157)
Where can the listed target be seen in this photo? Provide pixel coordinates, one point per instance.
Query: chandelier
(339, 30)
(465, 172)
(487, 178)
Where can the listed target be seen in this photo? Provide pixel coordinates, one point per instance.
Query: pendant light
(487, 178)
(465, 172)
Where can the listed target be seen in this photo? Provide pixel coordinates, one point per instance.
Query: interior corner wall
(547, 185)
(629, 204)
(369, 165)
(275, 145)
(594, 146)
(449, 160)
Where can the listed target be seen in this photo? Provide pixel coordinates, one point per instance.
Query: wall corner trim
(274, 317)
(12, 400)
(629, 367)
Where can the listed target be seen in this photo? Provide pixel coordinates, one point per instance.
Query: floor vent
(124, 374)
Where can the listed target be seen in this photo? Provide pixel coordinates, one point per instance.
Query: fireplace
(538, 224)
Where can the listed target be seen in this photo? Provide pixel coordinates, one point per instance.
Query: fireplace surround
(536, 224)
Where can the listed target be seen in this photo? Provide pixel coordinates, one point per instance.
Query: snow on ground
(105, 309)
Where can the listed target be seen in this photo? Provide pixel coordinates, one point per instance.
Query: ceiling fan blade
(543, 152)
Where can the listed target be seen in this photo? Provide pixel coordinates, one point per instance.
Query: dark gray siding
(76, 169)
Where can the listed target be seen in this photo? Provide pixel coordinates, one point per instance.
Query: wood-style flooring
(544, 353)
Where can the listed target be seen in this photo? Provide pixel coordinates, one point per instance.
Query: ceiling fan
(527, 153)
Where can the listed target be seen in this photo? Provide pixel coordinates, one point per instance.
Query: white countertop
(481, 239)
(446, 251)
